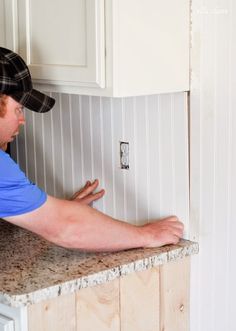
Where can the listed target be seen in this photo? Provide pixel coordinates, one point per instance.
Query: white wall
(79, 140)
(213, 164)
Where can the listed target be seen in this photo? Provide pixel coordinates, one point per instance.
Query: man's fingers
(86, 190)
(76, 194)
(174, 221)
(93, 197)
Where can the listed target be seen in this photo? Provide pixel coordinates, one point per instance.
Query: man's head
(11, 118)
(15, 81)
(16, 92)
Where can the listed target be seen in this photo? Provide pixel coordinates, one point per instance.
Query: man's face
(11, 121)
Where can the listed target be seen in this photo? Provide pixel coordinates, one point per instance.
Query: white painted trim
(18, 315)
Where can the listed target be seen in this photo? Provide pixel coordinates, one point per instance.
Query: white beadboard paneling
(66, 144)
(231, 243)
(130, 187)
(79, 140)
(39, 153)
(118, 135)
(108, 148)
(86, 133)
(142, 162)
(212, 180)
(165, 156)
(97, 143)
(57, 145)
(180, 157)
(47, 143)
(154, 131)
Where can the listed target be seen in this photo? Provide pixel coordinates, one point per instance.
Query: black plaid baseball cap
(15, 81)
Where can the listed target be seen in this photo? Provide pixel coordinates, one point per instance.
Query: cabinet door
(6, 324)
(62, 41)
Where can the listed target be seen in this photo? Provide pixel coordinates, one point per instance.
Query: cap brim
(34, 100)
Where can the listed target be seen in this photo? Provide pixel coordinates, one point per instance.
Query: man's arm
(73, 224)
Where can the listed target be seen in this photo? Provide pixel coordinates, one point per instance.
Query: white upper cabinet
(62, 41)
(102, 47)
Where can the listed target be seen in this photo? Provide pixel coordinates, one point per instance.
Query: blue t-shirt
(17, 194)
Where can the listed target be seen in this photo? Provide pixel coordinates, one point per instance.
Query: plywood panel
(55, 314)
(174, 295)
(97, 308)
(139, 301)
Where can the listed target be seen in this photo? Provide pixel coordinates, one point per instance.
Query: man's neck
(3, 146)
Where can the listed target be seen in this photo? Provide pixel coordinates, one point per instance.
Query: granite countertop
(33, 269)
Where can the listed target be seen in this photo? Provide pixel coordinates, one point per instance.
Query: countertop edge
(98, 278)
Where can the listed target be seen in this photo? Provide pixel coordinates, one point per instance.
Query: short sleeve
(17, 194)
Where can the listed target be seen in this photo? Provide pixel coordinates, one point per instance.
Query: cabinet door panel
(60, 36)
(62, 41)
(6, 324)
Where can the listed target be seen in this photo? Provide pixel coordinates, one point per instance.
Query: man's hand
(86, 195)
(166, 231)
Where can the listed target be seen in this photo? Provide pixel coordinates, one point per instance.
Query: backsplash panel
(79, 140)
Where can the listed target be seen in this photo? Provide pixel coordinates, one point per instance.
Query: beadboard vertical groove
(80, 138)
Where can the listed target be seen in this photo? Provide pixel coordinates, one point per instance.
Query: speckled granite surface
(33, 270)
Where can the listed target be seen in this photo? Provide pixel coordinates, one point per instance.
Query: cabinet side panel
(174, 295)
(139, 301)
(55, 314)
(97, 308)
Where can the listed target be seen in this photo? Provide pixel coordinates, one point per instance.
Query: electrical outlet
(124, 155)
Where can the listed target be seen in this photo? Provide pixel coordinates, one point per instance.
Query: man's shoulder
(8, 167)
(5, 158)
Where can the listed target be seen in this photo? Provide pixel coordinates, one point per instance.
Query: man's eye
(19, 110)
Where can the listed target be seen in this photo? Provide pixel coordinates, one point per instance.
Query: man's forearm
(95, 231)
(74, 225)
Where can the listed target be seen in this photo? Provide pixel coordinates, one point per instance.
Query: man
(71, 224)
